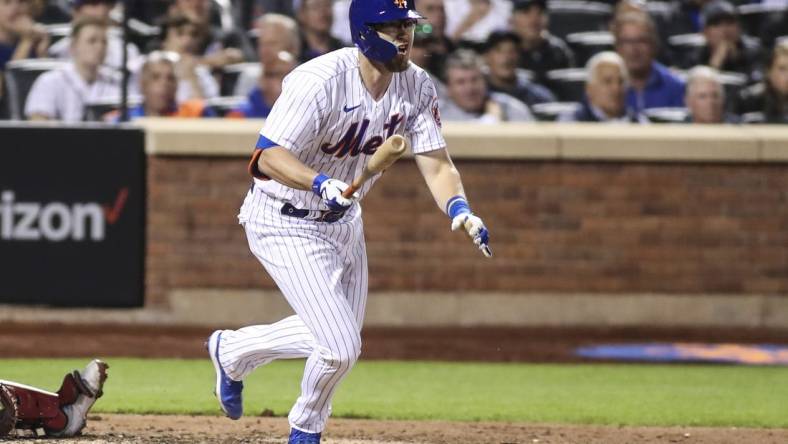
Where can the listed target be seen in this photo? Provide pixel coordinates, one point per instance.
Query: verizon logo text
(56, 221)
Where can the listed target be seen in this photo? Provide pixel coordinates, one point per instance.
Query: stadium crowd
(704, 61)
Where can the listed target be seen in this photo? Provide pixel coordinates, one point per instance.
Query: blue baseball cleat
(227, 391)
(299, 437)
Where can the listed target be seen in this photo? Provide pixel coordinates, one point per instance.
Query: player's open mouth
(402, 49)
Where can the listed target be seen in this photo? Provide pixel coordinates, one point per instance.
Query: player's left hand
(475, 229)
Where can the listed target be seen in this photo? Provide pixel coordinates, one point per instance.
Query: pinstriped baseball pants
(321, 269)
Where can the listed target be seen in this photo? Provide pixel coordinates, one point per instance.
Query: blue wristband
(457, 205)
(319, 179)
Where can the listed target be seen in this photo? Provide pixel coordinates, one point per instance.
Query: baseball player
(333, 113)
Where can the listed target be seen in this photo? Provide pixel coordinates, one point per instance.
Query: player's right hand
(475, 229)
(331, 192)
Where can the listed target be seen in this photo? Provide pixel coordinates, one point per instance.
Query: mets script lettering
(350, 143)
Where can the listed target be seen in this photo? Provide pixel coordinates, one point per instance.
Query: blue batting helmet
(364, 13)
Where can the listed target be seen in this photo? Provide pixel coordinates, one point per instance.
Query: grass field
(568, 394)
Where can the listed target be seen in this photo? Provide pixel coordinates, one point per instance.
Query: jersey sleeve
(424, 129)
(295, 118)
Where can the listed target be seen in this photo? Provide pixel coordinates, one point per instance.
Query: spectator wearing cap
(315, 18)
(540, 50)
(158, 87)
(726, 48)
(217, 47)
(432, 33)
(99, 9)
(652, 85)
(182, 36)
(706, 97)
(471, 21)
(502, 57)
(20, 36)
(62, 94)
(769, 98)
(468, 97)
(605, 93)
(276, 33)
(260, 101)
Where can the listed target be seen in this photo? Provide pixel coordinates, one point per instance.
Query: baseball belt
(328, 216)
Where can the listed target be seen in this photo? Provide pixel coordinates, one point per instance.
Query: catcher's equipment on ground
(58, 414)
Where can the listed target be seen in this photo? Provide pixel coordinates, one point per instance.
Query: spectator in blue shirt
(259, 102)
(652, 85)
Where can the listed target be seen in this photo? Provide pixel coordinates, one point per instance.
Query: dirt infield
(533, 345)
(192, 429)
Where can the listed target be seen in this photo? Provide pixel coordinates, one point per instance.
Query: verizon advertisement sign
(57, 221)
(72, 216)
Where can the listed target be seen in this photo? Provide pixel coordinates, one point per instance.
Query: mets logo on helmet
(402, 4)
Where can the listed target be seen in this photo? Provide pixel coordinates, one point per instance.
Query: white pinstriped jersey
(326, 117)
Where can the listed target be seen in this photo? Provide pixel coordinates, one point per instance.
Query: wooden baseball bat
(387, 153)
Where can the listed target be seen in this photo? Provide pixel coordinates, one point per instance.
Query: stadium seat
(224, 10)
(232, 73)
(586, 44)
(57, 31)
(142, 34)
(733, 83)
(666, 114)
(20, 76)
(549, 112)
(253, 36)
(568, 85)
(752, 16)
(754, 117)
(659, 10)
(106, 110)
(571, 16)
(526, 74)
(684, 46)
(3, 106)
(223, 105)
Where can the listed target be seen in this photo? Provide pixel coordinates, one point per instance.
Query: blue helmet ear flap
(374, 46)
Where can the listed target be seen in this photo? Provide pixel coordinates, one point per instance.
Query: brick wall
(555, 226)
